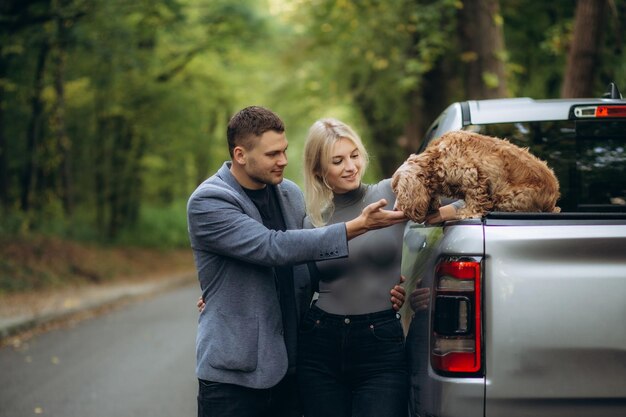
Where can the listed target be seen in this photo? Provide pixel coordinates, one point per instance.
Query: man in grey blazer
(250, 252)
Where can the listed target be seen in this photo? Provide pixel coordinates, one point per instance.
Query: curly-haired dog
(490, 174)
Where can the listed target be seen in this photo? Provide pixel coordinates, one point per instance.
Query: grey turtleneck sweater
(361, 283)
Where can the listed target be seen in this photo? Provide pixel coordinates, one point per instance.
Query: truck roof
(527, 109)
(461, 114)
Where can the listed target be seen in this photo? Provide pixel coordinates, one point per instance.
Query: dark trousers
(216, 399)
(352, 366)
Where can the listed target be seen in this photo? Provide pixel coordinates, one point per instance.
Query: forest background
(113, 111)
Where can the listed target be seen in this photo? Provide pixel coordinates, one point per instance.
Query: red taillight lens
(457, 322)
(611, 111)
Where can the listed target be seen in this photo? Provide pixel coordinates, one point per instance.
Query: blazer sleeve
(218, 223)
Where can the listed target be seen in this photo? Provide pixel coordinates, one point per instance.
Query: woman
(351, 359)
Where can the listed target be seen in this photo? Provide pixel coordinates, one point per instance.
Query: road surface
(137, 360)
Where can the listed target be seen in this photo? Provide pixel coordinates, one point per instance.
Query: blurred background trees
(112, 111)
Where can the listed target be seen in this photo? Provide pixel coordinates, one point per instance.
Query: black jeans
(352, 365)
(216, 399)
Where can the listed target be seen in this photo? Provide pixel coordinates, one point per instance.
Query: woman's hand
(398, 294)
(447, 212)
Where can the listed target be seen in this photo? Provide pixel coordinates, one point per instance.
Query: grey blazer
(239, 339)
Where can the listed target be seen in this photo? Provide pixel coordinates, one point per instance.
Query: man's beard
(266, 178)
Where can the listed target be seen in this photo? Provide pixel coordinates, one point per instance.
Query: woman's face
(343, 171)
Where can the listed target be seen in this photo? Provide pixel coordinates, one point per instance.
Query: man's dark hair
(250, 123)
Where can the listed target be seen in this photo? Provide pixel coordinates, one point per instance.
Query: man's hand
(200, 304)
(373, 217)
(420, 299)
(398, 293)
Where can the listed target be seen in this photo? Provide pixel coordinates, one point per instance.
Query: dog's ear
(412, 194)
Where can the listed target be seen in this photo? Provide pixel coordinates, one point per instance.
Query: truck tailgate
(555, 319)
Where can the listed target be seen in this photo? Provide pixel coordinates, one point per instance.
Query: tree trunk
(4, 179)
(101, 171)
(63, 141)
(415, 124)
(425, 105)
(384, 136)
(203, 152)
(124, 179)
(5, 7)
(583, 56)
(482, 49)
(33, 135)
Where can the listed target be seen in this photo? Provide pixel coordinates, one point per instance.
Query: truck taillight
(456, 326)
(600, 111)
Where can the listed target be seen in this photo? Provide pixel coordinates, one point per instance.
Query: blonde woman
(351, 359)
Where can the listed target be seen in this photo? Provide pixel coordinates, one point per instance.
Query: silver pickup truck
(528, 311)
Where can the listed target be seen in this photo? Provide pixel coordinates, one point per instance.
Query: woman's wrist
(447, 212)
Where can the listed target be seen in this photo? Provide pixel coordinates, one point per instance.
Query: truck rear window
(588, 157)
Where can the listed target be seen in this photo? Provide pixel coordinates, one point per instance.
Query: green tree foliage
(112, 111)
(377, 54)
(110, 103)
(537, 52)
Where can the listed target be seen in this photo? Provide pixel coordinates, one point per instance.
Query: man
(244, 227)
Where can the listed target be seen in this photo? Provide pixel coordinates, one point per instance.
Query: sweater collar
(351, 197)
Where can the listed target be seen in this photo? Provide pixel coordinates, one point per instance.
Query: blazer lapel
(287, 208)
(248, 206)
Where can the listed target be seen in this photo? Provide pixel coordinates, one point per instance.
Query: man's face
(266, 161)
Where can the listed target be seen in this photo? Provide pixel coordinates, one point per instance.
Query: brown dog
(490, 174)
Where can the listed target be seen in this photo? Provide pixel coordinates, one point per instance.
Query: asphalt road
(137, 360)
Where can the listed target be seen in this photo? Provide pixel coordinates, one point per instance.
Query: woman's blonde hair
(318, 195)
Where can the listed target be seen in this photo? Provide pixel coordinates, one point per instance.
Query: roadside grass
(159, 227)
(42, 262)
(62, 253)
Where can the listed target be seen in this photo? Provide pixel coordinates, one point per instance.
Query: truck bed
(553, 315)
